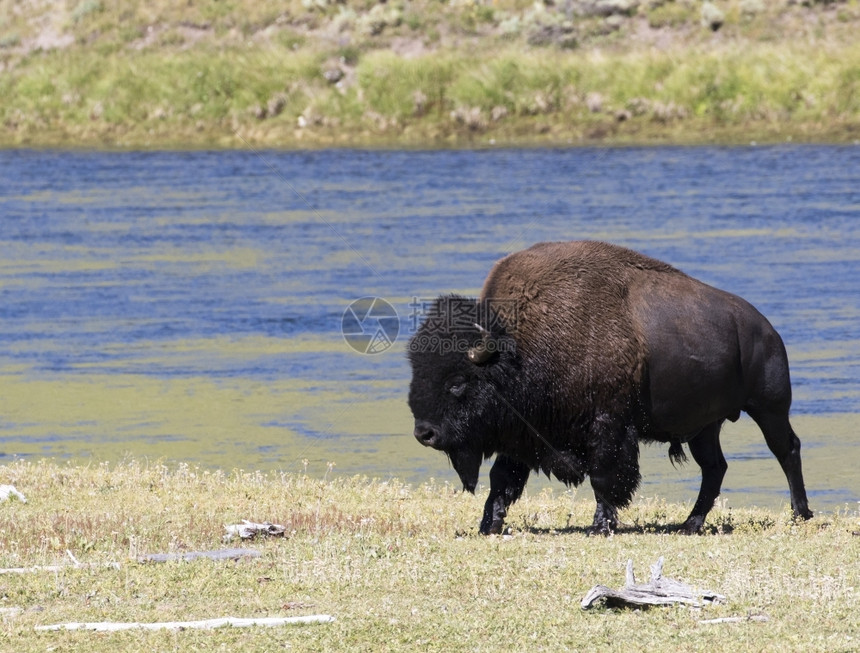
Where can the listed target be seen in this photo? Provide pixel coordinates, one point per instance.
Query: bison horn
(481, 353)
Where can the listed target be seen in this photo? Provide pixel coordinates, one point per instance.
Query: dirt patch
(409, 47)
(184, 36)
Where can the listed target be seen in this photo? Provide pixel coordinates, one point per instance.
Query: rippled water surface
(188, 306)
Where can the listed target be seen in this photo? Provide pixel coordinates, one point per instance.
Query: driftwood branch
(56, 568)
(235, 622)
(248, 529)
(217, 554)
(658, 591)
(735, 620)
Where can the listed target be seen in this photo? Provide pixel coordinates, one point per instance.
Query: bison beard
(578, 351)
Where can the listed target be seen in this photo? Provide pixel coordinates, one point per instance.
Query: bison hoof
(604, 529)
(493, 529)
(693, 525)
(803, 515)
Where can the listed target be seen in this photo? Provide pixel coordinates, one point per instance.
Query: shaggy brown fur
(572, 299)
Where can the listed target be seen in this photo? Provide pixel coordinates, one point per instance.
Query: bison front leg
(613, 471)
(605, 518)
(707, 452)
(507, 480)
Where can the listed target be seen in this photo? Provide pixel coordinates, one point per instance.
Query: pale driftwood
(248, 529)
(235, 622)
(76, 564)
(658, 591)
(735, 620)
(55, 568)
(9, 491)
(217, 554)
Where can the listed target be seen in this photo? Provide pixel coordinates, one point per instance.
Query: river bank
(420, 74)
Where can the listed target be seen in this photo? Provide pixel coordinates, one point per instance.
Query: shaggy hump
(570, 300)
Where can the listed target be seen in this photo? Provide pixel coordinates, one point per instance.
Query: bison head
(463, 363)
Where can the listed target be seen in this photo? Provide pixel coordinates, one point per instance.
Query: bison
(577, 351)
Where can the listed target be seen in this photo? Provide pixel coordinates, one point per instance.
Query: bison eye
(457, 389)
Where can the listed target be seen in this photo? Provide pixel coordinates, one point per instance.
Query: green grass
(198, 97)
(163, 75)
(401, 567)
(671, 14)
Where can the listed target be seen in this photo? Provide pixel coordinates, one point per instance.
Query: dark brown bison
(577, 351)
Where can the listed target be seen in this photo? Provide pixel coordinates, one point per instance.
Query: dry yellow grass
(401, 567)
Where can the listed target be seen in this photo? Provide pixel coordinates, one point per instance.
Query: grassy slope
(401, 567)
(219, 73)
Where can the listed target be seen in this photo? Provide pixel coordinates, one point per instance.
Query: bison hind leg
(785, 445)
(707, 452)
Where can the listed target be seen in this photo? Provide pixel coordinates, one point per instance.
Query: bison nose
(425, 434)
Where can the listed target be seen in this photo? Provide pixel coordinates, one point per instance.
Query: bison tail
(676, 453)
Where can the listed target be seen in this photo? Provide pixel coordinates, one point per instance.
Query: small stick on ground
(735, 620)
(235, 622)
(80, 565)
(217, 554)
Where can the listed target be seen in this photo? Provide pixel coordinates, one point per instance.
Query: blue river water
(189, 306)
